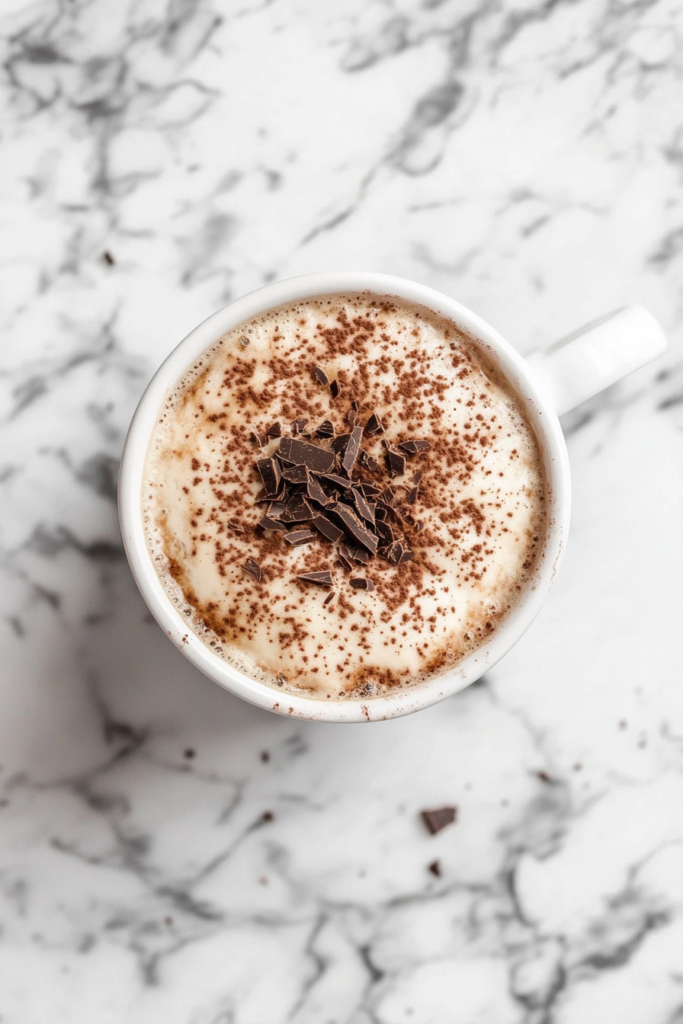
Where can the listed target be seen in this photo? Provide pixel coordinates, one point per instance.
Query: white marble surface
(523, 156)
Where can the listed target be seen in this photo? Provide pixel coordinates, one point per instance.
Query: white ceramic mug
(548, 383)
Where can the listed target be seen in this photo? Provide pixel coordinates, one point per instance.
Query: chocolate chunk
(417, 477)
(295, 474)
(298, 425)
(406, 556)
(275, 430)
(327, 528)
(435, 868)
(298, 510)
(344, 559)
(359, 583)
(411, 496)
(297, 537)
(413, 447)
(321, 579)
(268, 523)
(438, 819)
(361, 556)
(410, 520)
(397, 462)
(301, 453)
(235, 525)
(374, 425)
(354, 527)
(365, 508)
(381, 513)
(260, 439)
(328, 599)
(340, 482)
(317, 493)
(321, 376)
(325, 429)
(270, 474)
(419, 526)
(371, 464)
(352, 417)
(335, 389)
(253, 569)
(355, 405)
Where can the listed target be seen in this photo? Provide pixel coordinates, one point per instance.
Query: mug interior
(403, 701)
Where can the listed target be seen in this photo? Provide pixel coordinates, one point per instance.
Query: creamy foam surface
(477, 527)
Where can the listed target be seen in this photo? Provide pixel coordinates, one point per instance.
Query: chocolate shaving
(328, 529)
(361, 555)
(371, 464)
(347, 447)
(276, 509)
(321, 376)
(413, 447)
(297, 537)
(406, 556)
(393, 552)
(435, 868)
(268, 523)
(328, 599)
(370, 490)
(335, 389)
(417, 477)
(396, 461)
(295, 474)
(261, 439)
(235, 525)
(325, 429)
(355, 405)
(438, 819)
(253, 569)
(340, 482)
(419, 526)
(317, 493)
(353, 526)
(360, 583)
(374, 425)
(365, 508)
(275, 430)
(298, 510)
(299, 425)
(411, 496)
(321, 579)
(343, 557)
(270, 474)
(301, 453)
(385, 532)
(352, 417)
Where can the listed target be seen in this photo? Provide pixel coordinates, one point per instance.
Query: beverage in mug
(344, 496)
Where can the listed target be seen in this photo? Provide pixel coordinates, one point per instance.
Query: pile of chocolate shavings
(312, 490)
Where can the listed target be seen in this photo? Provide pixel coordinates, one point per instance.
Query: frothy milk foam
(476, 525)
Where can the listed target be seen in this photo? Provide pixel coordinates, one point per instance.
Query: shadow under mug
(548, 383)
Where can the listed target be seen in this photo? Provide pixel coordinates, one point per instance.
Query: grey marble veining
(168, 853)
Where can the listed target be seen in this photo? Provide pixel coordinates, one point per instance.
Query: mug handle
(579, 366)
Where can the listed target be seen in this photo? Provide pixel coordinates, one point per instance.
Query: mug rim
(402, 701)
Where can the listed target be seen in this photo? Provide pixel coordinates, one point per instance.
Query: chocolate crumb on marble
(439, 819)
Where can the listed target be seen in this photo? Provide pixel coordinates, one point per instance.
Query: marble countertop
(168, 853)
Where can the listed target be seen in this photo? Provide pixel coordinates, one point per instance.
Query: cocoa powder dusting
(429, 601)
